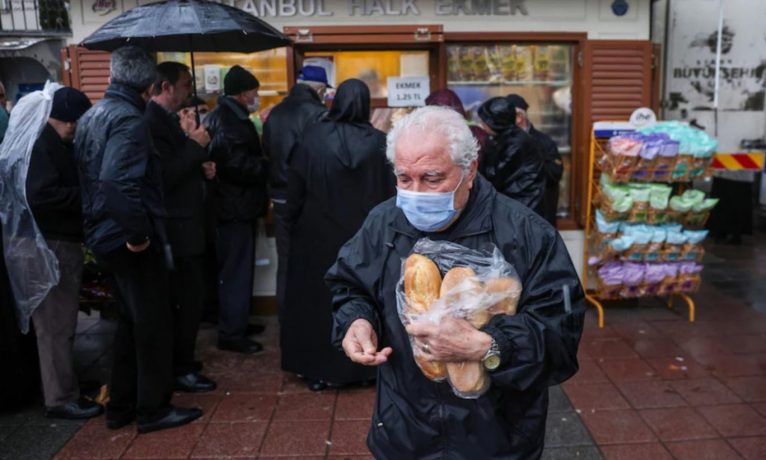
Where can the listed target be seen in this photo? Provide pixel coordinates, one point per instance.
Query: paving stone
(33, 442)
(566, 429)
(569, 453)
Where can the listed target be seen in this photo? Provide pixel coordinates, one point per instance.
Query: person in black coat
(120, 177)
(241, 198)
(513, 162)
(281, 133)
(336, 176)
(414, 417)
(53, 194)
(184, 160)
(553, 167)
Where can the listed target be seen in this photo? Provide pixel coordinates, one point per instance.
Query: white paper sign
(212, 78)
(408, 91)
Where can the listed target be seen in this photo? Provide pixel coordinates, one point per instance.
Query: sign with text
(408, 91)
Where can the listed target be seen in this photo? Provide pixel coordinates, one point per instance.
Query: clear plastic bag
(32, 267)
(474, 285)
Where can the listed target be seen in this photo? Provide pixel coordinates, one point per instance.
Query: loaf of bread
(459, 286)
(504, 285)
(422, 284)
(467, 377)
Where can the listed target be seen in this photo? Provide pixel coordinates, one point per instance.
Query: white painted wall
(592, 16)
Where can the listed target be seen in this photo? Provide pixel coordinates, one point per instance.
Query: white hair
(461, 144)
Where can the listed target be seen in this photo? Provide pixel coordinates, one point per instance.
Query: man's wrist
(484, 342)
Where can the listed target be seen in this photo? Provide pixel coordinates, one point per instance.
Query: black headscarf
(351, 103)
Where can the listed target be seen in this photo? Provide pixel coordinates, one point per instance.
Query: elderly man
(440, 196)
(124, 213)
(512, 161)
(553, 168)
(281, 133)
(185, 165)
(240, 199)
(53, 193)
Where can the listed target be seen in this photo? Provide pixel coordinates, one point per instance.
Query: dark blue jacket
(119, 172)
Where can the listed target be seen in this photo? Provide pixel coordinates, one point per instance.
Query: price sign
(408, 91)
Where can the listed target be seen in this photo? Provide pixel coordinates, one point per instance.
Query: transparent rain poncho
(32, 267)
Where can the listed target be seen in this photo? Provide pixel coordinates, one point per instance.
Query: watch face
(492, 362)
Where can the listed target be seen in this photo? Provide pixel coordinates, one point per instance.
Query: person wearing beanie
(513, 163)
(240, 199)
(53, 193)
(553, 167)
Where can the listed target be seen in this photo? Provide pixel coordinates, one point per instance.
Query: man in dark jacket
(53, 193)
(433, 151)
(281, 133)
(553, 167)
(512, 163)
(121, 182)
(241, 199)
(184, 161)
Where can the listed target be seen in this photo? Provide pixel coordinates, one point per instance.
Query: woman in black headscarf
(336, 175)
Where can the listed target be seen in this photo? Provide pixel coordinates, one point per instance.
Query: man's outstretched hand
(361, 344)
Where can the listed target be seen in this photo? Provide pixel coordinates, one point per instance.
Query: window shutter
(86, 70)
(617, 79)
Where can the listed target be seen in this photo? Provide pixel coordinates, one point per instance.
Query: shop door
(371, 54)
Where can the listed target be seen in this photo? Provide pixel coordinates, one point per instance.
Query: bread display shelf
(640, 270)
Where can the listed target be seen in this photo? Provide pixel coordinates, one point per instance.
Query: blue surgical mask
(428, 211)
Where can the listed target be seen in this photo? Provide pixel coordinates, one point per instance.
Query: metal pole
(718, 64)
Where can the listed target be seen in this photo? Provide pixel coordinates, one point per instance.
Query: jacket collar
(50, 135)
(126, 93)
(304, 92)
(234, 106)
(475, 219)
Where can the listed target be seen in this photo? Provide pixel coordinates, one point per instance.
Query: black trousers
(283, 248)
(142, 373)
(186, 300)
(236, 259)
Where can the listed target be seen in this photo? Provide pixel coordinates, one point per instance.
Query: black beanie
(518, 101)
(69, 104)
(498, 113)
(238, 80)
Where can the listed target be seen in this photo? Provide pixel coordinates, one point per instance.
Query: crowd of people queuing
(136, 177)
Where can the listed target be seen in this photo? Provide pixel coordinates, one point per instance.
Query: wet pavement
(651, 386)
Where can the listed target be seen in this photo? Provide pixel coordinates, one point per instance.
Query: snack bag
(442, 279)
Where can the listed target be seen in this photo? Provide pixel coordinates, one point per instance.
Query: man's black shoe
(175, 417)
(243, 345)
(194, 382)
(75, 410)
(253, 329)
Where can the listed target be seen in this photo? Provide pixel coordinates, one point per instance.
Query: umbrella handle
(194, 85)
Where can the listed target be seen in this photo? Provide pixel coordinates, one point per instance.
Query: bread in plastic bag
(471, 284)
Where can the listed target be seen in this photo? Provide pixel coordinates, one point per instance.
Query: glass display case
(541, 73)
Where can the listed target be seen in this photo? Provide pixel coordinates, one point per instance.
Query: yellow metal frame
(590, 296)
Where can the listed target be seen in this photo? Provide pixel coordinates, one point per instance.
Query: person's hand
(187, 120)
(200, 136)
(453, 339)
(361, 344)
(208, 168)
(138, 247)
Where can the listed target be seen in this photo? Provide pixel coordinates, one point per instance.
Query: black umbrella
(187, 25)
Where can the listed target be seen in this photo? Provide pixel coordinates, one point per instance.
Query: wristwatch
(491, 359)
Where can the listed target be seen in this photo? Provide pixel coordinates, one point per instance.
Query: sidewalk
(650, 386)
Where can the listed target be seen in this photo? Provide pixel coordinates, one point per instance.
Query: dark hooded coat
(336, 176)
(415, 418)
(553, 170)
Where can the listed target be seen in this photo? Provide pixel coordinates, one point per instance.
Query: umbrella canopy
(187, 25)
